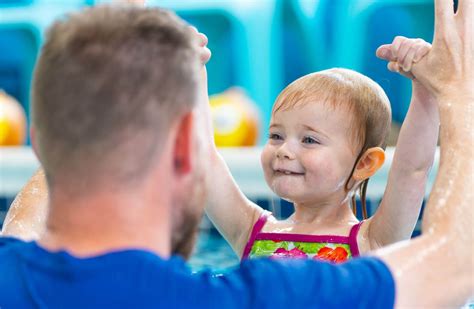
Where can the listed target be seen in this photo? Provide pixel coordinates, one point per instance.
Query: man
(116, 104)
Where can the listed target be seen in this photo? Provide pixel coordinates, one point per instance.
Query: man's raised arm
(437, 269)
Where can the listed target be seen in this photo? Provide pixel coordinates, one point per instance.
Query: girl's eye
(310, 140)
(274, 136)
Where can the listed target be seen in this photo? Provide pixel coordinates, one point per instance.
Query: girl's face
(310, 153)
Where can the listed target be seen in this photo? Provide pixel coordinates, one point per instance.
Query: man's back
(33, 277)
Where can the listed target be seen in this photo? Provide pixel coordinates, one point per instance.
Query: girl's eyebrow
(273, 125)
(307, 127)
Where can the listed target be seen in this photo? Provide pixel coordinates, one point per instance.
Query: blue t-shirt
(33, 277)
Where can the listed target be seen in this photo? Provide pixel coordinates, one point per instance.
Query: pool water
(213, 253)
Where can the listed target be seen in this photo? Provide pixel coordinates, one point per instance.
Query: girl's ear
(369, 163)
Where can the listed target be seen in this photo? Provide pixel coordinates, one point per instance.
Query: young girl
(326, 139)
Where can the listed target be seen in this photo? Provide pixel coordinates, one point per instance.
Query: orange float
(12, 121)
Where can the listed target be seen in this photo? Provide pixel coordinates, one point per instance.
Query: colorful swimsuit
(284, 245)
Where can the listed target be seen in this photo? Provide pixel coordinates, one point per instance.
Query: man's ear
(183, 146)
(34, 142)
(369, 163)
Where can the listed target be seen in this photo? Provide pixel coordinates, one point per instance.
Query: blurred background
(259, 47)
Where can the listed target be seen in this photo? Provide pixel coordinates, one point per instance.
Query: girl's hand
(402, 53)
(205, 53)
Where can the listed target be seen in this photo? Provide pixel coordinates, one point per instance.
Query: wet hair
(109, 82)
(365, 100)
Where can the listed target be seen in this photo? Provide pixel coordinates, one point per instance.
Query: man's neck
(106, 222)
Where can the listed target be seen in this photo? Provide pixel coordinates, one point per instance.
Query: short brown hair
(109, 82)
(345, 88)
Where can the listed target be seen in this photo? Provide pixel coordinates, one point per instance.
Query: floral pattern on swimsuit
(331, 248)
(332, 252)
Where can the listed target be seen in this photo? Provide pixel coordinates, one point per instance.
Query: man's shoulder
(9, 240)
(12, 250)
(9, 244)
(168, 281)
(11, 284)
(312, 280)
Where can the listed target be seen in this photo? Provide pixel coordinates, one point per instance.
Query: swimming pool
(212, 252)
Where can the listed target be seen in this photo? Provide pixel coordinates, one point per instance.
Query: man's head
(113, 98)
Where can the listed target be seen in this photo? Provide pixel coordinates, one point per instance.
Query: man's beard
(186, 222)
(184, 238)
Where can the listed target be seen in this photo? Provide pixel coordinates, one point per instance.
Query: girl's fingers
(203, 40)
(393, 67)
(417, 51)
(402, 54)
(396, 44)
(385, 52)
(405, 46)
(408, 60)
(205, 55)
(194, 29)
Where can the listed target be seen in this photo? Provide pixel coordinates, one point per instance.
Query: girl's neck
(322, 213)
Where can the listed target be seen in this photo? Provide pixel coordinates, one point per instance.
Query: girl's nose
(284, 152)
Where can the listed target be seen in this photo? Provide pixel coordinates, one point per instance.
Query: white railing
(17, 164)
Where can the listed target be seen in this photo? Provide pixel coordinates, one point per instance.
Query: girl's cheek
(264, 157)
(265, 161)
(325, 168)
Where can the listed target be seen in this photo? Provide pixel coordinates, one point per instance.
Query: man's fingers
(465, 9)
(465, 16)
(444, 15)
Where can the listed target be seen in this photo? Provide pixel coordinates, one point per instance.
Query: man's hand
(447, 70)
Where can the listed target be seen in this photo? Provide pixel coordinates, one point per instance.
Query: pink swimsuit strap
(256, 234)
(353, 238)
(257, 227)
